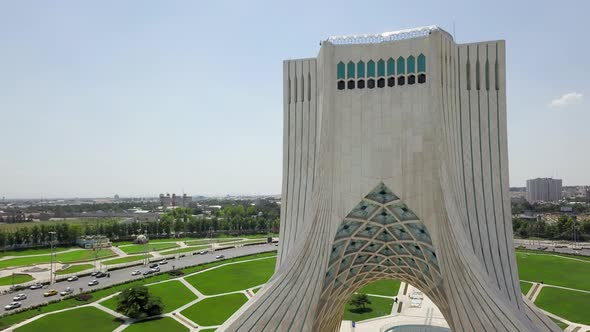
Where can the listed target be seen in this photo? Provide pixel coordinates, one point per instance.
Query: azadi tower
(395, 165)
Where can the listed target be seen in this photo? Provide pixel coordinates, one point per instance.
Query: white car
(202, 252)
(93, 282)
(19, 297)
(67, 291)
(12, 305)
(219, 257)
(73, 278)
(136, 273)
(155, 269)
(163, 262)
(36, 286)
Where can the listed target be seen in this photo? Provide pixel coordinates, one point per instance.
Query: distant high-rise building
(165, 200)
(543, 190)
(175, 200)
(588, 194)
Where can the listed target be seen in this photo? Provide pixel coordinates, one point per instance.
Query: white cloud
(568, 99)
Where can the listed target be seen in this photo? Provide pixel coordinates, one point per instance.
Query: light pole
(51, 261)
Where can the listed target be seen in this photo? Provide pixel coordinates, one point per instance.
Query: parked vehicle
(136, 273)
(67, 291)
(73, 278)
(94, 273)
(100, 275)
(19, 297)
(202, 252)
(148, 272)
(93, 282)
(12, 305)
(36, 286)
(153, 265)
(163, 262)
(50, 292)
(219, 257)
(155, 269)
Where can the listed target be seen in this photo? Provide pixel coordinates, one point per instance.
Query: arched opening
(381, 82)
(401, 80)
(341, 85)
(351, 84)
(422, 78)
(381, 238)
(391, 81)
(411, 79)
(371, 83)
(361, 84)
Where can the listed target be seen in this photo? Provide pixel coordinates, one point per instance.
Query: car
(93, 273)
(19, 297)
(50, 292)
(155, 269)
(73, 278)
(148, 272)
(67, 291)
(36, 286)
(163, 262)
(93, 282)
(12, 305)
(136, 273)
(202, 252)
(100, 275)
(219, 257)
(153, 265)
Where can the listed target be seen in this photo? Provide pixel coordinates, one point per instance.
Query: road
(582, 249)
(119, 276)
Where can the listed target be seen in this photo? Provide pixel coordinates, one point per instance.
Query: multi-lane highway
(119, 276)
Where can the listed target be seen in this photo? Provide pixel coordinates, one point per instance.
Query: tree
(137, 302)
(360, 301)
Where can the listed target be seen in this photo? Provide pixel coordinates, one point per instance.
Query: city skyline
(137, 99)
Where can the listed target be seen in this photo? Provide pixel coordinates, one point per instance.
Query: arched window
(380, 67)
(360, 84)
(411, 64)
(340, 71)
(381, 82)
(422, 78)
(371, 83)
(350, 70)
(351, 84)
(401, 65)
(390, 67)
(411, 79)
(401, 80)
(360, 69)
(341, 85)
(421, 63)
(391, 81)
(371, 68)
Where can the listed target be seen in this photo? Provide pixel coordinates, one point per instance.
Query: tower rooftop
(385, 36)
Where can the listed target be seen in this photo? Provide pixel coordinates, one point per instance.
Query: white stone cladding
(440, 147)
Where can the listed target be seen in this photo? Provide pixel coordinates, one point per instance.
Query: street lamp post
(51, 261)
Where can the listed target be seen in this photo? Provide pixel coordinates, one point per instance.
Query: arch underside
(381, 238)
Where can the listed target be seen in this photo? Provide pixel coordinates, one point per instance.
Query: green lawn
(68, 257)
(233, 277)
(207, 241)
(18, 279)
(570, 305)
(382, 287)
(525, 286)
(255, 290)
(379, 307)
(559, 323)
(182, 250)
(126, 259)
(75, 268)
(27, 252)
(554, 270)
(139, 248)
(207, 330)
(214, 310)
(157, 325)
(85, 319)
(173, 294)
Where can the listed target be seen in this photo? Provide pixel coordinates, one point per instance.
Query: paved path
(37, 255)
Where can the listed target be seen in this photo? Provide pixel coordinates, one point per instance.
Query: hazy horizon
(141, 98)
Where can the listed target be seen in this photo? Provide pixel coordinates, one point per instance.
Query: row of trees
(566, 228)
(235, 219)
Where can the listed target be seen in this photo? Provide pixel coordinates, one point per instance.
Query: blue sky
(141, 97)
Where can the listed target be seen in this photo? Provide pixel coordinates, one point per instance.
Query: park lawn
(525, 286)
(233, 277)
(18, 279)
(379, 307)
(157, 325)
(207, 241)
(550, 253)
(87, 319)
(37, 251)
(568, 304)
(554, 270)
(388, 287)
(125, 259)
(67, 257)
(139, 248)
(75, 268)
(173, 294)
(255, 290)
(207, 330)
(214, 310)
